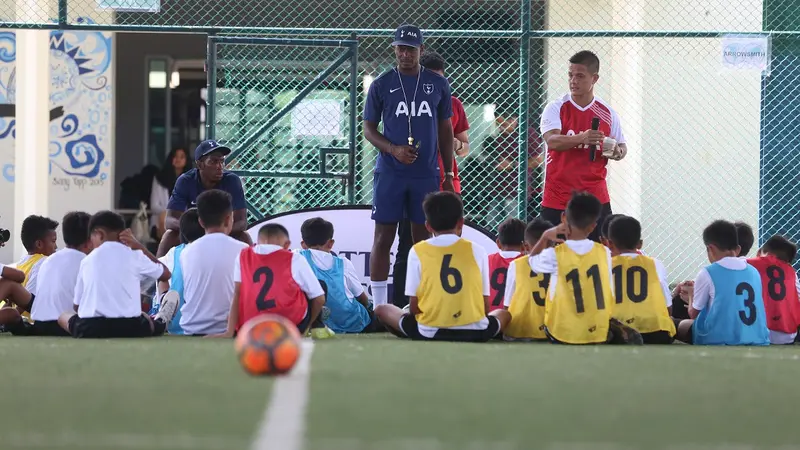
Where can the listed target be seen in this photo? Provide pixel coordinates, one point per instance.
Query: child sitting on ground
(511, 241)
(270, 279)
(107, 294)
(580, 296)
(39, 238)
(779, 288)
(346, 301)
(727, 307)
(641, 290)
(447, 283)
(56, 295)
(190, 231)
(527, 317)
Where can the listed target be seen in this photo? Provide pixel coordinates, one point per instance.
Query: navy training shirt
(188, 187)
(385, 103)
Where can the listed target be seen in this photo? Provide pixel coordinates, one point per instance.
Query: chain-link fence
(706, 140)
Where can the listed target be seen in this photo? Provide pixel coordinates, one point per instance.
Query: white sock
(380, 292)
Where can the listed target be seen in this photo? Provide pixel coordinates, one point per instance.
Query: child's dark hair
(213, 206)
(606, 223)
(316, 231)
(75, 228)
(432, 61)
(35, 228)
(781, 247)
(272, 230)
(583, 210)
(443, 210)
(721, 234)
(746, 237)
(511, 232)
(625, 232)
(190, 228)
(535, 229)
(107, 220)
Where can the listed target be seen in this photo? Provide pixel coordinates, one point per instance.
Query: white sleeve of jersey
(511, 283)
(551, 118)
(662, 278)
(482, 258)
(703, 290)
(304, 276)
(616, 128)
(413, 273)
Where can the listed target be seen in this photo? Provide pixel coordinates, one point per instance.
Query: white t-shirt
(108, 281)
(302, 273)
(545, 262)
(206, 266)
(59, 274)
(352, 283)
(414, 277)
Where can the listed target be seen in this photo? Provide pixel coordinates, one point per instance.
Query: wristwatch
(450, 174)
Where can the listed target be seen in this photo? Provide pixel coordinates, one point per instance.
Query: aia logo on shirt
(423, 109)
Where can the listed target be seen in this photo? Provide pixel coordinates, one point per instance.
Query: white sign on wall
(746, 52)
(353, 233)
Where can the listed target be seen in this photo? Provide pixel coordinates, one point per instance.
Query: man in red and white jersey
(567, 130)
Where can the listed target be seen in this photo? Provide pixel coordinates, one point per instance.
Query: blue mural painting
(80, 102)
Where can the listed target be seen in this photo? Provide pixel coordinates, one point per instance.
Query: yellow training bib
(639, 299)
(26, 267)
(581, 307)
(450, 291)
(527, 302)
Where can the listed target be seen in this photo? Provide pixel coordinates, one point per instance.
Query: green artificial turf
(379, 392)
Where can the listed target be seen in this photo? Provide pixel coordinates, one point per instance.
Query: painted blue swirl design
(85, 157)
(10, 130)
(69, 125)
(8, 172)
(8, 47)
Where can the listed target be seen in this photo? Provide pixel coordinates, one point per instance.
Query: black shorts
(39, 328)
(657, 338)
(408, 325)
(104, 327)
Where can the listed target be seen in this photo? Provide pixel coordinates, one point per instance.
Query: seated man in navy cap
(209, 174)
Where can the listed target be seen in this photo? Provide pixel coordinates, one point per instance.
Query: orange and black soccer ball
(268, 345)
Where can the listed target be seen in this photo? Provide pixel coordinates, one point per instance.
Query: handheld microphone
(593, 147)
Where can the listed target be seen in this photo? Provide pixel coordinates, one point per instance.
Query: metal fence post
(211, 88)
(351, 166)
(62, 12)
(524, 106)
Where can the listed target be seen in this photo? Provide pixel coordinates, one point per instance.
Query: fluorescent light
(175, 79)
(157, 80)
(488, 113)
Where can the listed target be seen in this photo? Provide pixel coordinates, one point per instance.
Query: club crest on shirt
(427, 88)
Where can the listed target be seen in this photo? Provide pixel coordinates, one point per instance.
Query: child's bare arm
(10, 273)
(316, 308)
(363, 299)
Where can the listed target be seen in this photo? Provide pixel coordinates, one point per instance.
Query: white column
(31, 187)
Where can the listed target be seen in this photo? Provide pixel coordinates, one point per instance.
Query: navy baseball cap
(408, 35)
(210, 146)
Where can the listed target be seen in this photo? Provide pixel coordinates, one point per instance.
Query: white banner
(152, 6)
(746, 52)
(353, 233)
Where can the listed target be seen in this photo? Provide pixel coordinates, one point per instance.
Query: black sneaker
(623, 334)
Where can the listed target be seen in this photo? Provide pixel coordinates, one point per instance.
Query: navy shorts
(395, 198)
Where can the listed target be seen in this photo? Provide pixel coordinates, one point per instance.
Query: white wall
(81, 139)
(692, 127)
